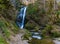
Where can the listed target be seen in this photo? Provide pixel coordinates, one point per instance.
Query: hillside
(41, 16)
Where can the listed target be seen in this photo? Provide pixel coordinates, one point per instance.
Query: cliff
(26, 2)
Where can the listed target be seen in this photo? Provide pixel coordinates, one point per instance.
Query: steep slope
(8, 26)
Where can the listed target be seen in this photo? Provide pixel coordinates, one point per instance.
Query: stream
(21, 17)
(20, 22)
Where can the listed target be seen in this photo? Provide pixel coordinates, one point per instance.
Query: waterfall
(20, 22)
(21, 17)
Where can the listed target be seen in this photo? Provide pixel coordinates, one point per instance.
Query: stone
(26, 2)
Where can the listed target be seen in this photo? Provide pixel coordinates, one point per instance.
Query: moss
(43, 41)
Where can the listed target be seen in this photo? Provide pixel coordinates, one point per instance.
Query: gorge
(29, 22)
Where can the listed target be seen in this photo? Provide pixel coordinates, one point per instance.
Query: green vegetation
(8, 26)
(37, 16)
(47, 18)
(43, 41)
(55, 34)
(2, 40)
(15, 30)
(26, 35)
(4, 29)
(33, 9)
(47, 31)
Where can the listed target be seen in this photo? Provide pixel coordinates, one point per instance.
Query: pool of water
(36, 35)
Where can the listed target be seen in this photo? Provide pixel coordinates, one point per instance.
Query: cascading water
(21, 17)
(20, 22)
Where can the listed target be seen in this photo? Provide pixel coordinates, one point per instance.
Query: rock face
(18, 40)
(13, 2)
(58, 0)
(26, 2)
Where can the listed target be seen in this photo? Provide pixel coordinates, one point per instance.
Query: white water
(21, 17)
(20, 22)
(36, 35)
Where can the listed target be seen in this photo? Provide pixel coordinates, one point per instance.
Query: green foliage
(58, 22)
(4, 29)
(58, 17)
(32, 9)
(2, 40)
(47, 31)
(4, 4)
(36, 28)
(27, 35)
(1, 1)
(55, 34)
(19, 5)
(58, 12)
(6, 32)
(16, 29)
(1, 23)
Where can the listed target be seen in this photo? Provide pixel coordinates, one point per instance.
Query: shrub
(55, 34)
(47, 30)
(32, 9)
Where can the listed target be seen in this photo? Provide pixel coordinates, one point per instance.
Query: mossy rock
(43, 41)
